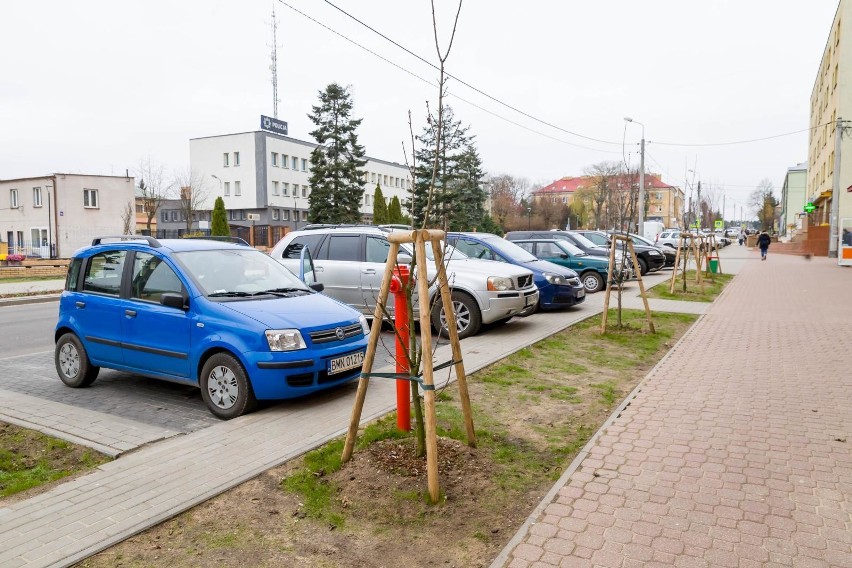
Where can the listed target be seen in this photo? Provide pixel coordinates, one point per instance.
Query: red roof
(571, 184)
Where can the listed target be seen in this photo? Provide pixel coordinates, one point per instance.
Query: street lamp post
(529, 218)
(641, 205)
(295, 214)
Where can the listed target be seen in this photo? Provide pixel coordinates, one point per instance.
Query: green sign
(694, 225)
(809, 207)
(718, 224)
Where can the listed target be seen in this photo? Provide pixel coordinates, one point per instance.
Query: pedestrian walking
(742, 236)
(763, 242)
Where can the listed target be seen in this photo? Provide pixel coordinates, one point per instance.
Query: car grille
(525, 281)
(329, 335)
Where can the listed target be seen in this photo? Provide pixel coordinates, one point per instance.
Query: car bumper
(558, 296)
(501, 305)
(299, 373)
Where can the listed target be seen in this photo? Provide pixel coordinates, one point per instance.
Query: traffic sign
(717, 224)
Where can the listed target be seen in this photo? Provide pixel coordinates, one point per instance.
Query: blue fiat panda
(221, 316)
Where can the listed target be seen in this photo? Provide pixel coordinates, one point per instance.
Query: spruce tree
(219, 222)
(336, 181)
(468, 194)
(453, 141)
(380, 207)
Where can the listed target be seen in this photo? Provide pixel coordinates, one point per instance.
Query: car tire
(592, 281)
(643, 267)
(225, 387)
(72, 362)
(468, 317)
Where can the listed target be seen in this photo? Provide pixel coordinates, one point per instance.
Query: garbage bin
(751, 241)
(713, 263)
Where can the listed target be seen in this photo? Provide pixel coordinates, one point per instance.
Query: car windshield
(570, 248)
(509, 249)
(239, 272)
(584, 241)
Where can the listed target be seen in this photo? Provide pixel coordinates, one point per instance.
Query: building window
(227, 188)
(366, 199)
(304, 191)
(13, 198)
(386, 180)
(237, 188)
(295, 163)
(275, 214)
(275, 159)
(226, 161)
(164, 216)
(236, 158)
(274, 188)
(90, 198)
(285, 161)
(285, 214)
(304, 165)
(304, 215)
(174, 216)
(372, 177)
(36, 197)
(285, 189)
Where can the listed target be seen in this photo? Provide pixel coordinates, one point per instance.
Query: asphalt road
(27, 328)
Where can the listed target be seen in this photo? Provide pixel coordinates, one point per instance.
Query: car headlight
(556, 279)
(500, 284)
(365, 327)
(285, 339)
(655, 253)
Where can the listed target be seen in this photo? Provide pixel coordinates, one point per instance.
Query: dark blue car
(558, 287)
(224, 317)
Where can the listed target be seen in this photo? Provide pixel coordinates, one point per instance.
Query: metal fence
(32, 250)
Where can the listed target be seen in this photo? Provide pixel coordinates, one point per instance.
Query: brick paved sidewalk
(735, 451)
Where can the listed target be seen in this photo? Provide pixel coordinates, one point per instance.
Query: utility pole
(835, 191)
(641, 228)
(698, 207)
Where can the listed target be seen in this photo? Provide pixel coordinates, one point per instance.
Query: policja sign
(273, 125)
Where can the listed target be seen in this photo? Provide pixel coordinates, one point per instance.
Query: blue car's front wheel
(225, 387)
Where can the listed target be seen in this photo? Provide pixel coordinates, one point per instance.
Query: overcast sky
(94, 86)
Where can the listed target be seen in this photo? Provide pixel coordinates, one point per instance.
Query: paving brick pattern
(736, 451)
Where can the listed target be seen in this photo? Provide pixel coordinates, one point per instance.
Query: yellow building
(831, 99)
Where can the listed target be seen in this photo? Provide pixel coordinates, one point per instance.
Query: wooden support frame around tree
(713, 248)
(418, 238)
(632, 251)
(687, 243)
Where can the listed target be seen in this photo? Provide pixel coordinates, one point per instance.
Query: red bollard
(403, 389)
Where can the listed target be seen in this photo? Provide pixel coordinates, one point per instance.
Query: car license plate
(340, 364)
(581, 293)
(529, 300)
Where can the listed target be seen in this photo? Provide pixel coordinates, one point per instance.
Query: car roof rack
(222, 238)
(151, 240)
(314, 226)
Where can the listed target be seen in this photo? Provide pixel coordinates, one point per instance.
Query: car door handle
(369, 271)
(130, 313)
(80, 305)
(318, 269)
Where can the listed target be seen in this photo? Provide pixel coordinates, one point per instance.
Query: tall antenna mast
(274, 66)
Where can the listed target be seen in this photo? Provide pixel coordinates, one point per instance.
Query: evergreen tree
(453, 141)
(488, 225)
(395, 215)
(380, 207)
(219, 222)
(336, 182)
(468, 194)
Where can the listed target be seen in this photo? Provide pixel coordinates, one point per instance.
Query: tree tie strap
(407, 377)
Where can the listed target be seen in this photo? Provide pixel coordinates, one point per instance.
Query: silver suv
(350, 262)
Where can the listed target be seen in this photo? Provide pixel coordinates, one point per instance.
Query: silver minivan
(350, 262)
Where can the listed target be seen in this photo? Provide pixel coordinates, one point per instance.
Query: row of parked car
(245, 326)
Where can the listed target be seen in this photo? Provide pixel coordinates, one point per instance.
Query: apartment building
(51, 216)
(263, 179)
(831, 98)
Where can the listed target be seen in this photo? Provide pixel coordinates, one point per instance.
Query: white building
(265, 175)
(52, 216)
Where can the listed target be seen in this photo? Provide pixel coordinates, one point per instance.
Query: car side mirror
(307, 274)
(173, 300)
(403, 258)
(563, 255)
(318, 286)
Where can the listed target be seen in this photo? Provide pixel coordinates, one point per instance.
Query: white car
(350, 262)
